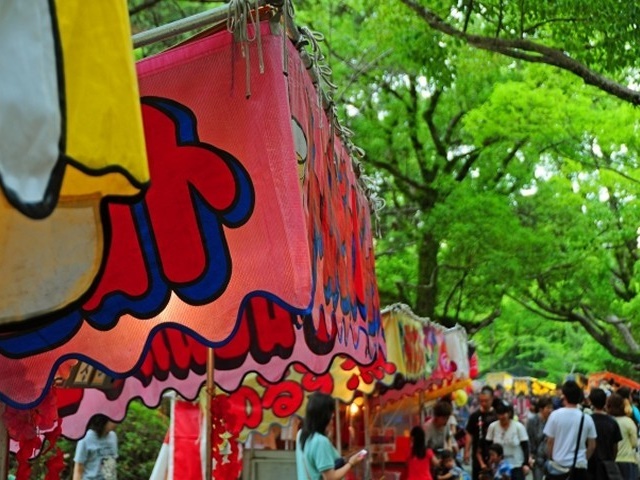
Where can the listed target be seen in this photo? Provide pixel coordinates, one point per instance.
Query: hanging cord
(318, 63)
(241, 14)
(288, 14)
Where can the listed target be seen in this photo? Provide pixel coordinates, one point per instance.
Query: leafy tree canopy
(594, 40)
(502, 137)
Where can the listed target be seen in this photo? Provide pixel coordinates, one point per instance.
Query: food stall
(610, 380)
(519, 385)
(432, 361)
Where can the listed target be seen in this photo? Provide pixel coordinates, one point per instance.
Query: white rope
(241, 15)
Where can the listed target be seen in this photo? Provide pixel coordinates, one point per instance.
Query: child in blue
(448, 469)
(500, 467)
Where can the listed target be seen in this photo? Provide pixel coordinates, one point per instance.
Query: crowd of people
(571, 434)
(568, 435)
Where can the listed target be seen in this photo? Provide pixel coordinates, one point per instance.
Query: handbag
(556, 471)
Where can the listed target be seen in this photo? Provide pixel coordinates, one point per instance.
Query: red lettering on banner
(247, 407)
(283, 398)
(172, 352)
(181, 171)
(315, 383)
(124, 245)
(272, 327)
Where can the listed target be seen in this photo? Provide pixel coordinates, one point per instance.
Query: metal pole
(338, 428)
(210, 388)
(199, 20)
(219, 14)
(367, 435)
(183, 25)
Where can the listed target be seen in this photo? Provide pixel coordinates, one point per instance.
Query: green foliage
(140, 437)
(521, 185)
(507, 184)
(600, 33)
(520, 344)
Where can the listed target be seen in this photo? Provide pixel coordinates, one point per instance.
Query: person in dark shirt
(608, 435)
(537, 440)
(477, 427)
(556, 400)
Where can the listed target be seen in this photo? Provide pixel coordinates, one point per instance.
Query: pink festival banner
(254, 237)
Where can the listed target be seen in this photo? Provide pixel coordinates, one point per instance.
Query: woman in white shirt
(513, 438)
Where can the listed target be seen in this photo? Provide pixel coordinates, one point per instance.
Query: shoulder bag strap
(575, 455)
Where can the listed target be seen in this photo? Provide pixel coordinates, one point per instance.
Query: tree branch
(604, 339)
(537, 310)
(402, 293)
(470, 326)
(595, 165)
(623, 328)
(531, 29)
(522, 10)
(528, 51)
(393, 170)
(452, 125)
(457, 287)
(500, 18)
(590, 324)
(467, 15)
(507, 159)
(428, 118)
(416, 143)
(468, 163)
(143, 6)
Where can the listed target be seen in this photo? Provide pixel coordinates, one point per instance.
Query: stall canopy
(532, 386)
(253, 238)
(254, 405)
(429, 358)
(255, 227)
(611, 380)
(421, 357)
(499, 379)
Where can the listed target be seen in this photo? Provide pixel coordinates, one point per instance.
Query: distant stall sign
(83, 375)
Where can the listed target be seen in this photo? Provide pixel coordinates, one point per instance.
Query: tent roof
(612, 378)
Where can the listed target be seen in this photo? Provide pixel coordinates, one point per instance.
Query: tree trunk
(426, 294)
